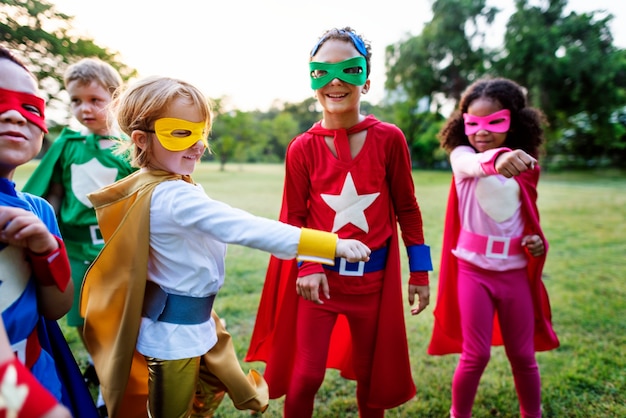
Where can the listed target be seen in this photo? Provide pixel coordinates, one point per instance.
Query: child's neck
(105, 143)
(341, 121)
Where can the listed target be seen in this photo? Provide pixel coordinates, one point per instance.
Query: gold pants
(178, 389)
(195, 387)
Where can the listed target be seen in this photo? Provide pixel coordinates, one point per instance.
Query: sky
(252, 53)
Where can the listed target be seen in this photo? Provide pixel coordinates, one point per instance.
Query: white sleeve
(193, 212)
(466, 162)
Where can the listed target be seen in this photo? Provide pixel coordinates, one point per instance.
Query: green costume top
(79, 163)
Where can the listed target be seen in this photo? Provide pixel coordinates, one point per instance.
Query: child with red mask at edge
(34, 269)
(165, 249)
(490, 287)
(77, 163)
(349, 174)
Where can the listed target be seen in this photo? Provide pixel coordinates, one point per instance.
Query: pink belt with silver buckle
(489, 245)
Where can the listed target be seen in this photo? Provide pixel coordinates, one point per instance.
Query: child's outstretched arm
(514, 162)
(352, 250)
(310, 286)
(323, 247)
(47, 256)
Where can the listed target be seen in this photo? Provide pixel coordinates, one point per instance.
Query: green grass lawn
(584, 218)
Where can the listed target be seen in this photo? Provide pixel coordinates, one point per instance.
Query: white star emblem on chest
(349, 206)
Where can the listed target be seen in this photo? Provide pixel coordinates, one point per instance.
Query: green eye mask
(350, 71)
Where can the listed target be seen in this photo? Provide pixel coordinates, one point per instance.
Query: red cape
(446, 337)
(273, 339)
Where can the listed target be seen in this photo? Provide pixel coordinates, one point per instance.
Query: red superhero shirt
(447, 337)
(379, 185)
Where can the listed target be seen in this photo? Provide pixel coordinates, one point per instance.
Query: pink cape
(446, 337)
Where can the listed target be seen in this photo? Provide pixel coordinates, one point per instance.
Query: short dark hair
(6, 53)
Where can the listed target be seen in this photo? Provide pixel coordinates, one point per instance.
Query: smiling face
(178, 162)
(339, 97)
(484, 140)
(20, 139)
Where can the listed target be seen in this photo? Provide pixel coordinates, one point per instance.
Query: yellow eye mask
(179, 134)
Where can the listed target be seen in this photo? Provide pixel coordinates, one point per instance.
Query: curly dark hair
(526, 131)
(346, 34)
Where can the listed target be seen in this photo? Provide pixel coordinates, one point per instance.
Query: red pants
(315, 324)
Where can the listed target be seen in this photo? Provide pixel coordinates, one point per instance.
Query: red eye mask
(28, 105)
(499, 122)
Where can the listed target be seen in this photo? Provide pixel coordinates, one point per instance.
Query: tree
(280, 131)
(431, 70)
(573, 72)
(568, 64)
(305, 113)
(449, 53)
(235, 137)
(45, 40)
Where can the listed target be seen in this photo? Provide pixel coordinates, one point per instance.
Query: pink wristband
(21, 393)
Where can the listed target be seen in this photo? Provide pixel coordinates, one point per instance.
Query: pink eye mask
(498, 122)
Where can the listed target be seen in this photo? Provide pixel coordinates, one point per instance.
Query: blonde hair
(147, 100)
(88, 70)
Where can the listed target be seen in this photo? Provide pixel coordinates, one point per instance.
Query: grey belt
(159, 305)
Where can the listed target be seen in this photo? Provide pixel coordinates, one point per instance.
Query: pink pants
(481, 294)
(315, 324)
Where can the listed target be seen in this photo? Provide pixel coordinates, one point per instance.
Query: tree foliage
(573, 73)
(448, 54)
(45, 39)
(567, 62)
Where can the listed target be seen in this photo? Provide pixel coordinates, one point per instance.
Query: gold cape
(112, 298)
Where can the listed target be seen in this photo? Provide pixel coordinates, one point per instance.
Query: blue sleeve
(44, 211)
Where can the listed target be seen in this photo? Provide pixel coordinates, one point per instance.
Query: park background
(568, 60)
(573, 70)
(584, 221)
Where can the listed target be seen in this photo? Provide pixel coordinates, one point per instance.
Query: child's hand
(352, 250)
(309, 287)
(534, 244)
(515, 162)
(23, 228)
(423, 298)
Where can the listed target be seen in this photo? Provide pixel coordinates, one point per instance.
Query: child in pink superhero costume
(490, 287)
(349, 174)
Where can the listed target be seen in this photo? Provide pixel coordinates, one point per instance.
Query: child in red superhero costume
(490, 287)
(348, 174)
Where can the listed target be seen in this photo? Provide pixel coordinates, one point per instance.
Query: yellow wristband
(317, 246)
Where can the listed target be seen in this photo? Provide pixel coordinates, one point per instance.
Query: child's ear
(366, 87)
(139, 138)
